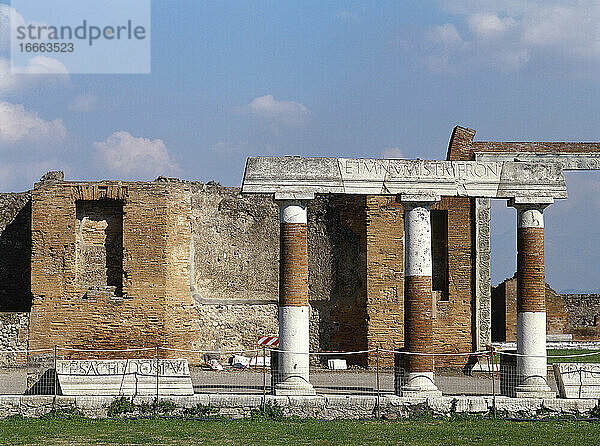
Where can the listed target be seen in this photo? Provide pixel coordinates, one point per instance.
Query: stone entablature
(397, 177)
(567, 161)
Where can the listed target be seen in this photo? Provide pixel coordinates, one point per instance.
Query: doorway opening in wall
(99, 245)
(572, 254)
(439, 254)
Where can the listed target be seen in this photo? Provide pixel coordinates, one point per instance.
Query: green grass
(558, 352)
(422, 432)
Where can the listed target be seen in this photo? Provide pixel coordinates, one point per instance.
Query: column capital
(294, 196)
(415, 200)
(539, 203)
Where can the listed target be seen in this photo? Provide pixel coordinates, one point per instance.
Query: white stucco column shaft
(418, 311)
(531, 301)
(294, 310)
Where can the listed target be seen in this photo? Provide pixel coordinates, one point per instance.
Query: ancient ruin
(530, 187)
(332, 254)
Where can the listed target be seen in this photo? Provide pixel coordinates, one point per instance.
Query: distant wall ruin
(575, 315)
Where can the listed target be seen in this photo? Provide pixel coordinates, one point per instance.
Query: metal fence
(155, 371)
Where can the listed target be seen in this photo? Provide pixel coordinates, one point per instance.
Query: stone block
(124, 377)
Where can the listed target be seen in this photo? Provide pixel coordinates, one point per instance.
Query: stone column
(531, 300)
(418, 310)
(293, 300)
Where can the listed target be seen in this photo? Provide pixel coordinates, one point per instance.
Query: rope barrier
(311, 353)
(107, 349)
(479, 353)
(221, 352)
(576, 355)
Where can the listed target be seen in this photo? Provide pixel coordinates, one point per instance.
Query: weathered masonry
(109, 266)
(293, 181)
(116, 264)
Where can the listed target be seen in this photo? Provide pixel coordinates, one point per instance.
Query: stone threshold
(327, 407)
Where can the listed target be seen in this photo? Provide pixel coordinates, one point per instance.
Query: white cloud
(86, 102)
(270, 109)
(507, 35)
(18, 124)
(446, 35)
(392, 153)
(488, 26)
(40, 72)
(124, 154)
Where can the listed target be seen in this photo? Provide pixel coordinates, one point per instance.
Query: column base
(417, 392)
(419, 384)
(534, 391)
(294, 386)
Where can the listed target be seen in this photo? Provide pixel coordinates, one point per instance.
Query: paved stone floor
(244, 381)
(358, 382)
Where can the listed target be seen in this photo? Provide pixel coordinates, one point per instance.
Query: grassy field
(422, 432)
(557, 352)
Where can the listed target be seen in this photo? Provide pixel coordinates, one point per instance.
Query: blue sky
(232, 79)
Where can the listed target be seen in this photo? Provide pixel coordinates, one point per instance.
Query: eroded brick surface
(293, 288)
(418, 323)
(154, 306)
(531, 280)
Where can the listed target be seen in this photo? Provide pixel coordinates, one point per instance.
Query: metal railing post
(491, 367)
(157, 375)
(55, 380)
(378, 388)
(264, 377)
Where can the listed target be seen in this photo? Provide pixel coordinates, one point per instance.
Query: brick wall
(67, 312)
(452, 327)
(385, 275)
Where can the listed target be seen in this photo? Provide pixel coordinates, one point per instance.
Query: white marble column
(294, 309)
(418, 310)
(531, 301)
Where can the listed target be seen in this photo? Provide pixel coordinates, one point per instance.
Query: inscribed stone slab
(124, 377)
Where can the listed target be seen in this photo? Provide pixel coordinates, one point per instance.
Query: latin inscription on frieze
(403, 169)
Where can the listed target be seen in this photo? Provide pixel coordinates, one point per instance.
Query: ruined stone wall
(337, 274)
(15, 251)
(200, 269)
(584, 315)
(584, 309)
(235, 270)
(68, 312)
(14, 329)
(574, 314)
